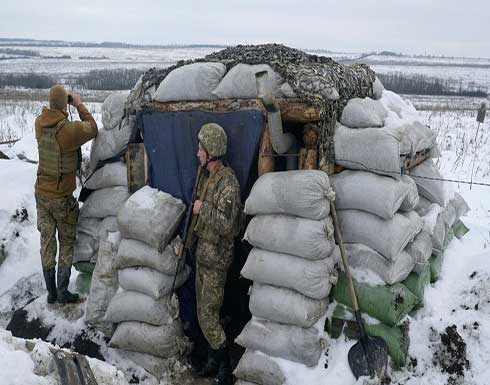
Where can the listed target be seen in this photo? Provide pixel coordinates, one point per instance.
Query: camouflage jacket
(220, 211)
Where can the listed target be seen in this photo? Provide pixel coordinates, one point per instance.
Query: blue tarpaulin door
(171, 144)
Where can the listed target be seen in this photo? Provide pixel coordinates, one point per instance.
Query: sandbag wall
(378, 210)
(293, 267)
(144, 309)
(107, 181)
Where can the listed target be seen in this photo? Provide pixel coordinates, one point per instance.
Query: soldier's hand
(197, 207)
(76, 101)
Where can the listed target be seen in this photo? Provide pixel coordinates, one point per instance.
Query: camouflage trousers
(57, 215)
(210, 287)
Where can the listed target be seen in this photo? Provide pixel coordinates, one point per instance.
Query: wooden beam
(265, 162)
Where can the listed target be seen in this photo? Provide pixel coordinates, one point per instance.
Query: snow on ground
(461, 297)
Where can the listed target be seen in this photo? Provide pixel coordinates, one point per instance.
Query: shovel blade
(369, 358)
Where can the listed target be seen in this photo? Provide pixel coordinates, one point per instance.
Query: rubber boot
(64, 296)
(210, 368)
(224, 376)
(50, 278)
(198, 357)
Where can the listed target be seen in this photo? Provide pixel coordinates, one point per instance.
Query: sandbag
(287, 91)
(362, 190)
(423, 206)
(417, 282)
(132, 253)
(113, 109)
(429, 182)
(88, 226)
(420, 249)
(259, 369)
(112, 174)
(394, 102)
(377, 89)
(106, 226)
(387, 236)
(149, 281)
(302, 237)
(371, 149)
(459, 205)
(190, 82)
(388, 304)
(285, 306)
(364, 258)
(460, 229)
(134, 306)
(420, 137)
(162, 341)
(314, 279)
(150, 216)
(412, 198)
(302, 193)
(105, 202)
(286, 341)
(363, 113)
(103, 288)
(435, 226)
(84, 249)
(239, 82)
(435, 263)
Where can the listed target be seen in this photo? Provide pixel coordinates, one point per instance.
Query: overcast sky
(441, 27)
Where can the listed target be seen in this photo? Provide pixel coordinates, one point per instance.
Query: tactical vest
(207, 194)
(52, 162)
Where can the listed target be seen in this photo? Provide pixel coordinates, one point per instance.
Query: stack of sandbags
(144, 311)
(98, 215)
(292, 266)
(112, 139)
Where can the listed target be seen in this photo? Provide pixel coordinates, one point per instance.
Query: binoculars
(70, 99)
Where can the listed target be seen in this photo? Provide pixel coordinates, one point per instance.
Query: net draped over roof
(310, 76)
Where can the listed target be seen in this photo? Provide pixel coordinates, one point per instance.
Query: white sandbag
(150, 282)
(88, 226)
(429, 182)
(387, 236)
(423, 206)
(286, 341)
(377, 89)
(85, 248)
(438, 235)
(412, 198)
(394, 102)
(133, 253)
(123, 132)
(191, 82)
(449, 215)
(162, 341)
(302, 193)
(364, 258)
(106, 226)
(105, 202)
(460, 205)
(420, 249)
(287, 91)
(240, 83)
(285, 306)
(362, 190)
(103, 287)
(311, 278)
(134, 306)
(363, 113)
(259, 369)
(150, 216)
(113, 109)
(302, 237)
(112, 174)
(371, 149)
(420, 136)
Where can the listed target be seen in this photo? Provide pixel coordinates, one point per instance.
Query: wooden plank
(292, 110)
(265, 162)
(73, 368)
(419, 157)
(137, 163)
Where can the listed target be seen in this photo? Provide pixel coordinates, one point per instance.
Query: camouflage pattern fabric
(216, 227)
(213, 139)
(60, 215)
(310, 76)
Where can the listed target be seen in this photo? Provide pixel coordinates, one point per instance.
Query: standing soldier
(218, 210)
(59, 141)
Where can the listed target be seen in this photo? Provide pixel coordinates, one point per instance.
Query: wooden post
(266, 162)
(137, 163)
(308, 155)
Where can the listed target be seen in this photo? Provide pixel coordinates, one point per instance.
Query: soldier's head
(212, 143)
(58, 98)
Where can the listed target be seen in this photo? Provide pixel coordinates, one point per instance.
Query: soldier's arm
(74, 134)
(221, 218)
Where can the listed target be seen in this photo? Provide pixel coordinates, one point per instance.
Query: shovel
(369, 356)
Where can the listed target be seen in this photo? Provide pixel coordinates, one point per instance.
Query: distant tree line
(419, 84)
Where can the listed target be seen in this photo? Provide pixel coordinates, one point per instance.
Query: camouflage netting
(310, 76)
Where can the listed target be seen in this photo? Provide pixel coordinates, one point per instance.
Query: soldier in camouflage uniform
(218, 209)
(59, 141)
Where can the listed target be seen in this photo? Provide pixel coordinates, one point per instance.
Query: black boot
(224, 376)
(211, 366)
(64, 296)
(49, 277)
(198, 357)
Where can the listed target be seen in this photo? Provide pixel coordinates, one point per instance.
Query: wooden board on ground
(73, 368)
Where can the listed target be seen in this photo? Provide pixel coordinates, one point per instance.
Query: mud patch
(450, 355)
(477, 296)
